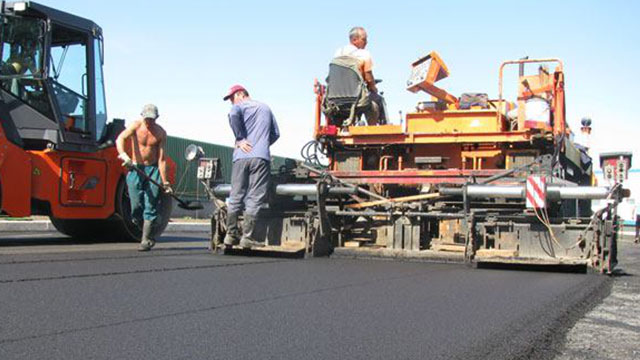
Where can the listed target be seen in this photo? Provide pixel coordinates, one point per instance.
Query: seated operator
(356, 48)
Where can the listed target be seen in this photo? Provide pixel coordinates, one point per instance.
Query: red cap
(234, 89)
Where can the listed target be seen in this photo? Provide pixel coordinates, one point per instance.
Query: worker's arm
(239, 130)
(367, 73)
(162, 162)
(371, 81)
(126, 134)
(274, 132)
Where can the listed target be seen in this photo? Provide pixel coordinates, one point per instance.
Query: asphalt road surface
(65, 300)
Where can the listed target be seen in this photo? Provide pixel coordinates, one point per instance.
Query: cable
(508, 172)
(179, 183)
(545, 220)
(312, 152)
(599, 212)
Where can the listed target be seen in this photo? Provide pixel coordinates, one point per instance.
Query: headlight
(193, 152)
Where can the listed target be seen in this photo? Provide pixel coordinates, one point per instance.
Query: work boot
(147, 241)
(233, 232)
(144, 246)
(149, 231)
(248, 233)
(156, 230)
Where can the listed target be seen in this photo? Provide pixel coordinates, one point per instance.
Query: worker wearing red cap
(255, 130)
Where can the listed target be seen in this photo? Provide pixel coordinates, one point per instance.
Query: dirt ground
(612, 329)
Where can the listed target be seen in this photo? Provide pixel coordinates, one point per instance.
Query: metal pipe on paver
(311, 189)
(358, 188)
(578, 192)
(224, 190)
(389, 214)
(518, 192)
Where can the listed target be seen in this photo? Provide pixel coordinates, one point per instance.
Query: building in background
(627, 209)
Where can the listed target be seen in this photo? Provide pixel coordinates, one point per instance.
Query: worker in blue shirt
(255, 129)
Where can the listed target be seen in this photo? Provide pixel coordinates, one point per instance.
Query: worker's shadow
(622, 272)
(179, 241)
(182, 238)
(56, 239)
(573, 269)
(48, 239)
(261, 253)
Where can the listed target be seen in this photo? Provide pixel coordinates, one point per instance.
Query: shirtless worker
(148, 141)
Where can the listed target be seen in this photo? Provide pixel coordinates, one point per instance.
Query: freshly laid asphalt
(178, 301)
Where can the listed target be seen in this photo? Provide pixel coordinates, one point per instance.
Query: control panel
(208, 169)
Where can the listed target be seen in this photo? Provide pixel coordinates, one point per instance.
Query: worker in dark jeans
(255, 129)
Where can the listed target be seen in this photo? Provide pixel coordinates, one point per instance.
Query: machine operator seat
(347, 96)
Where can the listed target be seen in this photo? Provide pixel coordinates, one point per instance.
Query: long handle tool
(187, 205)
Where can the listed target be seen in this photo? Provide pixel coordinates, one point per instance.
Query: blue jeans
(143, 194)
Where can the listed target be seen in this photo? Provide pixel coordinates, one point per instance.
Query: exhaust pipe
(518, 192)
(224, 190)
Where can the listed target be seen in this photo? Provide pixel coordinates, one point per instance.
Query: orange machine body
(70, 185)
(446, 143)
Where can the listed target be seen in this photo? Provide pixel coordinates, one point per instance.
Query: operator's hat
(234, 89)
(150, 111)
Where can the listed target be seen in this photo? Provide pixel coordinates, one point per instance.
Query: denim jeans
(143, 194)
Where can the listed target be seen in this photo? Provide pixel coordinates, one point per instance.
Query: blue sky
(183, 56)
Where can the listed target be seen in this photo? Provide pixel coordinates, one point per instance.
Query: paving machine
(464, 178)
(57, 153)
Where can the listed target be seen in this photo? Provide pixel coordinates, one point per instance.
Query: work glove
(126, 160)
(167, 188)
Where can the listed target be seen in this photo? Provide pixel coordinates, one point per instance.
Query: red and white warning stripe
(536, 192)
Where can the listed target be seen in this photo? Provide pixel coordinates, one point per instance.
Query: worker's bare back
(146, 141)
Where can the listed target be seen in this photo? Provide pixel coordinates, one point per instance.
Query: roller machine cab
(57, 154)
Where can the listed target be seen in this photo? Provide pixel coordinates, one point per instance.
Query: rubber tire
(119, 226)
(0, 196)
(80, 229)
(123, 227)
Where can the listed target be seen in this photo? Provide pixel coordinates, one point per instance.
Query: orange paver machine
(464, 178)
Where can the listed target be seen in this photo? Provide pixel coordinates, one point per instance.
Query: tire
(124, 228)
(118, 227)
(80, 229)
(0, 196)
